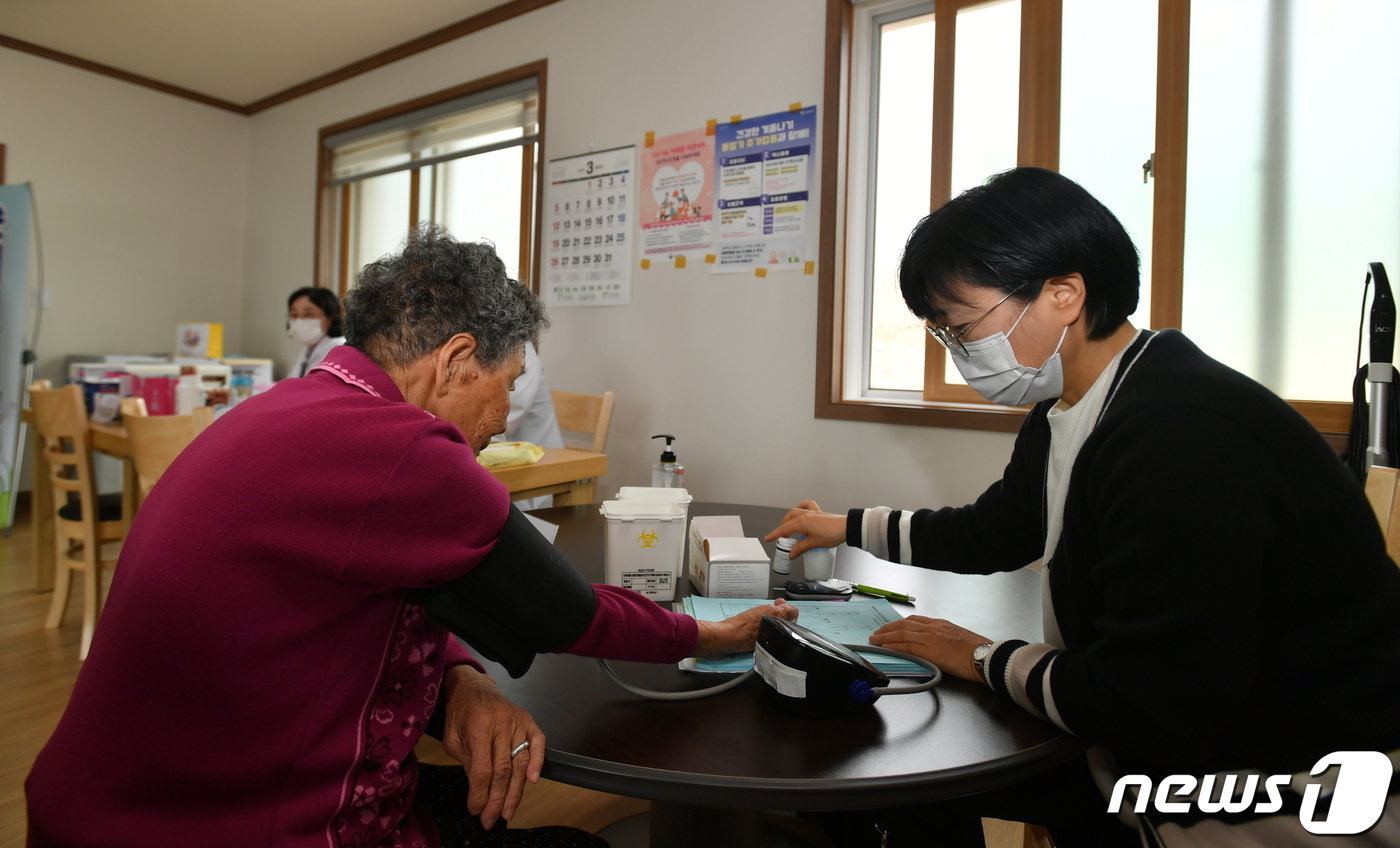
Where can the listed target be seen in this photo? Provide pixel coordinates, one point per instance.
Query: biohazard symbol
(647, 539)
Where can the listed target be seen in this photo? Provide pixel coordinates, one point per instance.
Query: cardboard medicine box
(723, 562)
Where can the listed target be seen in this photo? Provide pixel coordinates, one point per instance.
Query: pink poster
(675, 203)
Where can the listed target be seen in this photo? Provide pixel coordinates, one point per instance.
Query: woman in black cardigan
(1218, 595)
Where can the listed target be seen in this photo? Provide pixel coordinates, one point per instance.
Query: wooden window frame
(955, 405)
(331, 267)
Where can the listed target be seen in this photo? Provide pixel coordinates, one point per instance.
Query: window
(1246, 145)
(465, 158)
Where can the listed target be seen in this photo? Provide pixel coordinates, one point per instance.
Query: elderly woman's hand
(822, 529)
(738, 632)
(482, 728)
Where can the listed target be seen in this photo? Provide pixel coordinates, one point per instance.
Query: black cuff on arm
(522, 599)
(854, 519)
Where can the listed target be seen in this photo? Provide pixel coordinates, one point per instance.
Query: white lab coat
(311, 356)
(531, 418)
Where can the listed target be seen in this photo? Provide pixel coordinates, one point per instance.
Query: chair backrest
(132, 406)
(156, 440)
(1381, 491)
(587, 414)
(61, 424)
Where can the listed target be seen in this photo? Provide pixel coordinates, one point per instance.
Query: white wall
(727, 363)
(141, 201)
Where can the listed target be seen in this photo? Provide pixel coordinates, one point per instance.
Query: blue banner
(14, 288)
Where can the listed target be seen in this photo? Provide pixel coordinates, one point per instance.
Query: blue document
(847, 622)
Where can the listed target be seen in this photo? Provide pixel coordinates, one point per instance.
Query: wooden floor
(38, 667)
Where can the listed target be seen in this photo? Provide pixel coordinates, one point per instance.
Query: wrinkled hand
(738, 632)
(822, 529)
(944, 643)
(482, 726)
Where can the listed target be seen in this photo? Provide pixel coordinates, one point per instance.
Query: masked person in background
(313, 320)
(1218, 600)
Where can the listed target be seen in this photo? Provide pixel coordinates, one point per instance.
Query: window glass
(480, 197)
(1291, 184)
(380, 218)
(904, 153)
(1108, 120)
(986, 98)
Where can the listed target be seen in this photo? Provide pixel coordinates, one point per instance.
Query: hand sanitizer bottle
(667, 474)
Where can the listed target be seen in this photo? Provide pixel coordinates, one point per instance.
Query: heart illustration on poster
(669, 182)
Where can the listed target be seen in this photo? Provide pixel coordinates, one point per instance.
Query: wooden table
(569, 475)
(711, 765)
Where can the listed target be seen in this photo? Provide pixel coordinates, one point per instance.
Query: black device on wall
(1375, 433)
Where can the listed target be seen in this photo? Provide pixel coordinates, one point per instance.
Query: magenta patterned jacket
(260, 673)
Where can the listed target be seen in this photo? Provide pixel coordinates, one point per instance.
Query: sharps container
(655, 493)
(643, 547)
(662, 493)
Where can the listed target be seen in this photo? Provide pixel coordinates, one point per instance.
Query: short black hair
(407, 304)
(326, 301)
(1020, 228)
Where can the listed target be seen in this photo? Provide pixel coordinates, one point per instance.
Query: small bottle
(188, 392)
(781, 562)
(668, 473)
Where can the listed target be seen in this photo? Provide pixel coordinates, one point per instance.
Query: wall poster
(765, 172)
(675, 208)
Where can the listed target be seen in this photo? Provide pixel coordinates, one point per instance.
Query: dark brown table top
(741, 749)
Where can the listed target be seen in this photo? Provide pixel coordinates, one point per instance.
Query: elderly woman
(265, 664)
(1217, 593)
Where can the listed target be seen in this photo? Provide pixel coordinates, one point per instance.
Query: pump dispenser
(668, 473)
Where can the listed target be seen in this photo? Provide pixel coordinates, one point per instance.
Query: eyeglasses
(952, 339)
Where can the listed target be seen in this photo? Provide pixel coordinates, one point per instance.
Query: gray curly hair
(407, 304)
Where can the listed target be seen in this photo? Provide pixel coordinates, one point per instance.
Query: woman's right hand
(821, 529)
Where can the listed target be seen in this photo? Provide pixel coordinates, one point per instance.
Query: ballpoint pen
(883, 593)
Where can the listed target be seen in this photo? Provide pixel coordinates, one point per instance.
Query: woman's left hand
(738, 632)
(942, 642)
(481, 728)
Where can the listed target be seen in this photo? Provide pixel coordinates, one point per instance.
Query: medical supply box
(643, 547)
(723, 562)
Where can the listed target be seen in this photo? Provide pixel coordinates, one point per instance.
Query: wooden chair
(586, 414)
(84, 521)
(156, 440)
(1381, 490)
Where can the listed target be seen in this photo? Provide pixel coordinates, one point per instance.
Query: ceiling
(239, 52)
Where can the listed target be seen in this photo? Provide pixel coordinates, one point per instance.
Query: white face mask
(990, 367)
(306, 331)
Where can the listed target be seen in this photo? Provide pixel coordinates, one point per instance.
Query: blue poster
(14, 286)
(765, 172)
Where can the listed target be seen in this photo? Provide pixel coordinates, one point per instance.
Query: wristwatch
(980, 655)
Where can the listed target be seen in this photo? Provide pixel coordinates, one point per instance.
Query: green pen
(883, 593)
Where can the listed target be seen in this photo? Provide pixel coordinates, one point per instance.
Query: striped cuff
(881, 531)
(1021, 671)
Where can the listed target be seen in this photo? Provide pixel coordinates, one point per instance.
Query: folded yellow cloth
(508, 454)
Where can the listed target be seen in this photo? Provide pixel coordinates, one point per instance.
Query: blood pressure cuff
(524, 598)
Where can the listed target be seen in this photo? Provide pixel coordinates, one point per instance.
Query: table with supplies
(710, 766)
